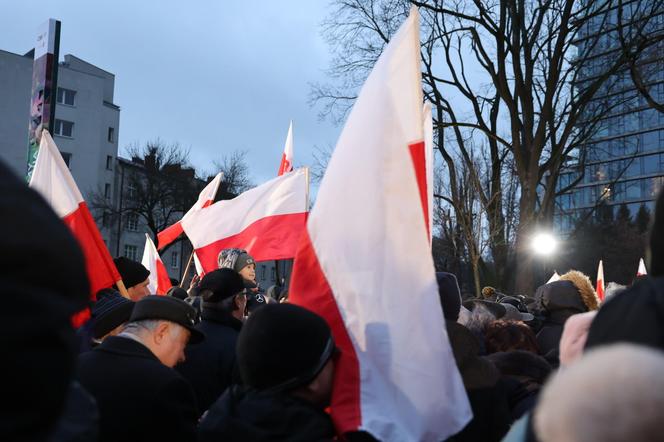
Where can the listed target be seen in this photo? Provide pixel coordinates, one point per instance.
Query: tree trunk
(524, 281)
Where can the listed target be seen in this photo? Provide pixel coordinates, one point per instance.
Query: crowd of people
(223, 362)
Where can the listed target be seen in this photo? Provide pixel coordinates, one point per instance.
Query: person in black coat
(210, 366)
(285, 356)
(43, 283)
(140, 397)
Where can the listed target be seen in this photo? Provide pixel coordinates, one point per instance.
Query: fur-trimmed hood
(573, 292)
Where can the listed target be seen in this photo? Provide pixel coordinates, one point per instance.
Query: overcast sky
(213, 75)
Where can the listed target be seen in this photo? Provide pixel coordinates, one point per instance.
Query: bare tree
(157, 186)
(236, 177)
(498, 70)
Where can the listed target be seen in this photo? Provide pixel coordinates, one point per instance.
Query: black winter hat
(223, 283)
(635, 315)
(171, 309)
(132, 272)
(177, 292)
(110, 311)
(450, 295)
(283, 346)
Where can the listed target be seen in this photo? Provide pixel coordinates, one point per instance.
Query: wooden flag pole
(122, 289)
(186, 269)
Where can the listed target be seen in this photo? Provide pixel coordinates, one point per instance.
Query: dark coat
(243, 414)
(209, 366)
(486, 393)
(80, 418)
(139, 398)
(523, 374)
(556, 302)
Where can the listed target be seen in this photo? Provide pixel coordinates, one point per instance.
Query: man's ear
(161, 332)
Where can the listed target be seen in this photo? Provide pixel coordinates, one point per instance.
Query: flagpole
(186, 269)
(306, 198)
(121, 288)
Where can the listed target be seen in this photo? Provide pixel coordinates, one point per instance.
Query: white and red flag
(52, 179)
(205, 199)
(158, 281)
(287, 157)
(642, 269)
(599, 288)
(266, 221)
(365, 265)
(555, 277)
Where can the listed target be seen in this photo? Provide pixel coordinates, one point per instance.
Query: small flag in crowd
(52, 179)
(365, 250)
(159, 282)
(642, 269)
(266, 221)
(205, 199)
(287, 157)
(555, 277)
(600, 281)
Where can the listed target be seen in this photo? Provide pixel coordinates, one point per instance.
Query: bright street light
(544, 244)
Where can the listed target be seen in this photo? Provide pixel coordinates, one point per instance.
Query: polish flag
(52, 179)
(555, 277)
(266, 221)
(287, 157)
(205, 199)
(600, 281)
(159, 282)
(365, 265)
(642, 269)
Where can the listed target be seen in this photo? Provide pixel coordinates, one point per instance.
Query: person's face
(240, 306)
(249, 272)
(170, 341)
(139, 291)
(319, 391)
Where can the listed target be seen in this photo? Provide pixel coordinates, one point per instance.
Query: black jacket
(139, 398)
(243, 414)
(486, 393)
(209, 366)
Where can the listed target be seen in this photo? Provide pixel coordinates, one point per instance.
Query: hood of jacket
(243, 414)
(573, 293)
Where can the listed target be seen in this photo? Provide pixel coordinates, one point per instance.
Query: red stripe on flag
(285, 165)
(169, 234)
(98, 262)
(418, 155)
(310, 289)
(272, 237)
(163, 280)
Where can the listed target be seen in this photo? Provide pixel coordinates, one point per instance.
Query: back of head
(219, 285)
(450, 295)
(588, 402)
(132, 272)
(283, 346)
(635, 315)
(573, 293)
(510, 335)
(43, 276)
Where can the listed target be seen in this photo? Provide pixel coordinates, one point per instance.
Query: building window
(131, 191)
(274, 274)
(174, 260)
(107, 190)
(106, 219)
(64, 128)
(67, 157)
(109, 162)
(111, 134)
(263, 268)
(66, 96)
(130, 252)
(131, 222)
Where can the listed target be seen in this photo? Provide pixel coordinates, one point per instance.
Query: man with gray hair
(140, 396)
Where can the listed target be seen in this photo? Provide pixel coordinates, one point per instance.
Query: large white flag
(365, 265)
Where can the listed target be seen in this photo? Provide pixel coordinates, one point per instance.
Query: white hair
(140, 328)
(613, 393)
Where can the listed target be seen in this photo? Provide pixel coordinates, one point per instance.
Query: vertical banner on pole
(44, 87)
